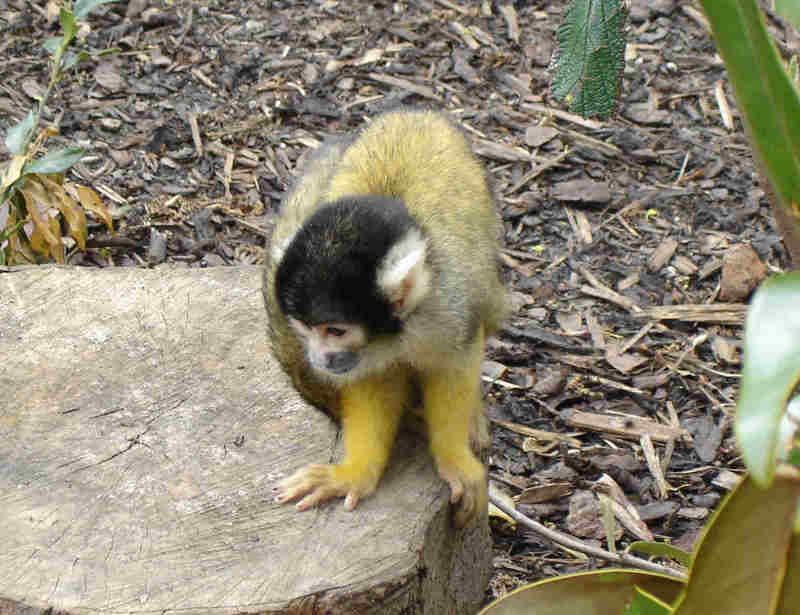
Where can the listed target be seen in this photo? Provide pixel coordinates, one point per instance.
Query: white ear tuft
(403, 276)
(279, 249)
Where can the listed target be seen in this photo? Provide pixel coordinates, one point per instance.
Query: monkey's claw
(318, 483)
(468, 492)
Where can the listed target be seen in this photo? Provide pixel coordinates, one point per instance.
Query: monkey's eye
(336, 331)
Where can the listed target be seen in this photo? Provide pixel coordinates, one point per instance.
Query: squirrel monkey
(381, 285)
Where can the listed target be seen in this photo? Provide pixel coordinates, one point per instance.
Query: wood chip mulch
(631, 245)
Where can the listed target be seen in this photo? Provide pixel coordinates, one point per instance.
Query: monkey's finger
(465, 510)
(301, 482)
(351, 501)
(456, 490)
(320, 494)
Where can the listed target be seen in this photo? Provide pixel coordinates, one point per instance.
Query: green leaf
(67, 21)
(52, 44)
(84, 7)
(71, 59)
(768, 100)
(600, 591)
(770, 371)
(790, 9)
(19, 136)
(644, 603)
(591, 56)
(56, 162)
(744, 562)
(794, 456)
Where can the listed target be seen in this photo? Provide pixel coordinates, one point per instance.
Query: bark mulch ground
(631, 243)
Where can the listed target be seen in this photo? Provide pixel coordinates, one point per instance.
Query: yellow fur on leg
(451, 397)
(370, 415)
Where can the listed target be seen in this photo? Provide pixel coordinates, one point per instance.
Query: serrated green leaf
(52, 45)
(56, 162)
(84, 7)
(590, 58)
(770, 371)
(19, 136)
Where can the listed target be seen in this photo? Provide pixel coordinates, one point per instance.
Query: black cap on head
(328, 271)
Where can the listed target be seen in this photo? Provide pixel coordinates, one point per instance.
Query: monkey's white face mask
(331, 347)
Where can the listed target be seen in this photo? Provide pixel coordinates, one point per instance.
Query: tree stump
(144, 424)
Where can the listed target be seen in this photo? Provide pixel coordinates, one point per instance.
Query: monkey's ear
(403, 276)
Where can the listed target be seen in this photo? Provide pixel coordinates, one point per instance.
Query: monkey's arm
(370, 414)
(452, 399)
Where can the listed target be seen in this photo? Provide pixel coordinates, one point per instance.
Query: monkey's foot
(468, 489)
(320, 482)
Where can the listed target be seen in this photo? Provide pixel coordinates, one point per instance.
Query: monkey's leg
(451, 399)
(370, 415)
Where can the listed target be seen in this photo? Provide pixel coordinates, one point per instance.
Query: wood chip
(629, 427)
(544, 493)
(539, 434)
(582, 190)
(722, 313)
(625, 512)
(509, 13)
(570, 117)
(536, 136)
(612, 297)
(684, 265)
(662, 254)
(724, 107)
(710, 267)
(404, 84)
(742, 271)
(500, 151)
(726, 479)
(595, 330)
(654, 465)
(465, 35)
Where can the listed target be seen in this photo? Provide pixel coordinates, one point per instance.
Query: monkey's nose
(341, 362)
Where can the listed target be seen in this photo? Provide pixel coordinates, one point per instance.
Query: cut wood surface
(143, 426)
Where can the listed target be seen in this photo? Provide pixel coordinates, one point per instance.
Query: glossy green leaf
(770, 371)
(56, 162)
(765, 95)
(740, 567)
(589, 593)
(84, 7)
(590, 58)
(20, 135)
(789, 601)
(644, 603)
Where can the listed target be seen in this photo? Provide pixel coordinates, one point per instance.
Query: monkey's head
(348, 280)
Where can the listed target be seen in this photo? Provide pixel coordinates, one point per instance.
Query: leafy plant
(748, 560)
(590, 58)
(34, 198)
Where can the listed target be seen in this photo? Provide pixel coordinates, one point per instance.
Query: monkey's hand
(320, 482)
(468, 492)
